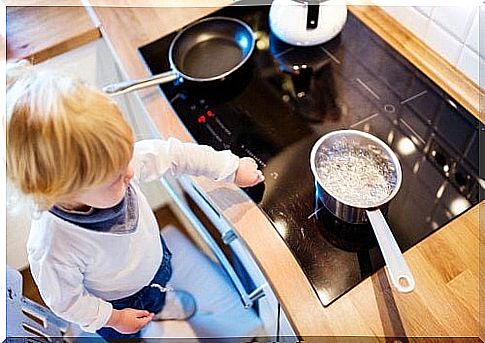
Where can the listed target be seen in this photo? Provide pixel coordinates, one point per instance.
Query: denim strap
(150, 298)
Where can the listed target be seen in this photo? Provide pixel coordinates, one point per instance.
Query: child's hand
(247, 174)
(129, 320)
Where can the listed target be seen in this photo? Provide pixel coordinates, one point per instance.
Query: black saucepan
(207, 50)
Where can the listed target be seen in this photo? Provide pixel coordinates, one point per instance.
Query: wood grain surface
(37, 33)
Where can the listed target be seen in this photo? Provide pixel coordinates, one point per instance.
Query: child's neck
(78, 207)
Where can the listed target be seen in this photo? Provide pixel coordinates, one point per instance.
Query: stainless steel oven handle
(228, 236)
(247, 299)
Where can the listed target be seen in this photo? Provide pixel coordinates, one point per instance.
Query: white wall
(452, 31)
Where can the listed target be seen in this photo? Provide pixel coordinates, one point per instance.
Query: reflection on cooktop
(287, 97)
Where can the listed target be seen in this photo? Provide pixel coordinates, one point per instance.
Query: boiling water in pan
(358, 174)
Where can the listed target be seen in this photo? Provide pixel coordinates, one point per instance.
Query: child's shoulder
(47, 228)
(49, 236)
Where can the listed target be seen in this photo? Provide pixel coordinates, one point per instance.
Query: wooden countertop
(445, 302)
(40, 32)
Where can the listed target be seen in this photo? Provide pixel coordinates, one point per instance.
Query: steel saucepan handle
(130, 86)
(397, 267)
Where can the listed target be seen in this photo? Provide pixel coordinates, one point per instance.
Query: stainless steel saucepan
(358, 175)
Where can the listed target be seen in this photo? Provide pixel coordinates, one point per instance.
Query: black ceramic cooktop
(286, 97)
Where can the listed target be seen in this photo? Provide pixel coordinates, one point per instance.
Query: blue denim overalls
(150, 298)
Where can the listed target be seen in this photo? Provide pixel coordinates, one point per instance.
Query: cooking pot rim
(376, 140)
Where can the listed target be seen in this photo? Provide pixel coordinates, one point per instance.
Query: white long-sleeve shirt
(77, 270)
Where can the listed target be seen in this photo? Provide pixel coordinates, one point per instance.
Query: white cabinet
(277, 327)
(107, 72)
(18, 218)
(270, 311)
(286, 333)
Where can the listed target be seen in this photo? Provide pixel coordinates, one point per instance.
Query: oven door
(219, 238)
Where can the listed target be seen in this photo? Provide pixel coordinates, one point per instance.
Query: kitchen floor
(164, 215)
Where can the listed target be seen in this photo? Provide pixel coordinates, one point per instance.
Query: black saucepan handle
(312, 15)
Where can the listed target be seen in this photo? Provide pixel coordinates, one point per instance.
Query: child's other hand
(129, 320)
(247, 174)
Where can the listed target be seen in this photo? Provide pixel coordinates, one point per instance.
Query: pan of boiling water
(358, 175)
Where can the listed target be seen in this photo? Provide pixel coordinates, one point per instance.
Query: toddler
(95, 249)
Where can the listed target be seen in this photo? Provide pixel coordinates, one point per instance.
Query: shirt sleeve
(61, 287)
(155, 157)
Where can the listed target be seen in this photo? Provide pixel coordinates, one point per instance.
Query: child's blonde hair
(62, 135)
